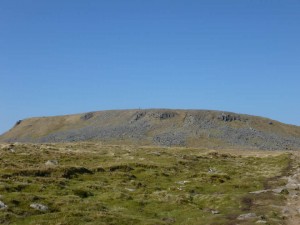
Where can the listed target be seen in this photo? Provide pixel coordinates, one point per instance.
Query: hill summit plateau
(163, 127)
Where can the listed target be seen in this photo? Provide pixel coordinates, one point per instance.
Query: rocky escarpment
(195, 128)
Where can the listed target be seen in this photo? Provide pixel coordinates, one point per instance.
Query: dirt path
(292, 209)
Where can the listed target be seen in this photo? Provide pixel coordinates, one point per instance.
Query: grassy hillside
(163, 127)
(86, 183)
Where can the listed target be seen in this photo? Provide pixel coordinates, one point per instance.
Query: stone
(2, 205)
(215, 212)
(259, 192)
(183, 182)
(277, 190)
(51, 162)
(130, 189)
(247, 216)
(212, 170)
(39, 207)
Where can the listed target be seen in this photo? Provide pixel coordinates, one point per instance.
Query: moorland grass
(95, 184)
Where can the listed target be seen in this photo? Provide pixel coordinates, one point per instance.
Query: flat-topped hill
(167, 127)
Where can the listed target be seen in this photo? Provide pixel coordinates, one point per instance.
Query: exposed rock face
(163, 115)
(18, 122)
(229, 117)
(193, 128)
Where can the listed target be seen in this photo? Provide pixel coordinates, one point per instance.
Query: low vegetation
(90, 183)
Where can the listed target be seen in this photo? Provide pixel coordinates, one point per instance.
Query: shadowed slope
(197, 128)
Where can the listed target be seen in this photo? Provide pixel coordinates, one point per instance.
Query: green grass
(95, 184)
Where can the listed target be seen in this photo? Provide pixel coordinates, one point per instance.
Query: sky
(64, 57)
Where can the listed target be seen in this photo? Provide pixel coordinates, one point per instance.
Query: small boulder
(39, 207)
(51, 162)
(2, 205)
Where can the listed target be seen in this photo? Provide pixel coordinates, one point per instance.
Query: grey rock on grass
(39, 207)
(2, 205)
(247, 216)
(51, 162)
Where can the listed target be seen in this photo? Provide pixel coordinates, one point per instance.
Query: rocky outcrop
(229, 117)
(87, 116)
(18, 122)
(163, 115)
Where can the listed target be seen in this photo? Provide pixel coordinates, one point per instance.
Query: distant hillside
(166, 127)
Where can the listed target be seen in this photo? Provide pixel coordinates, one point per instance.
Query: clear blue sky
(60, 57)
